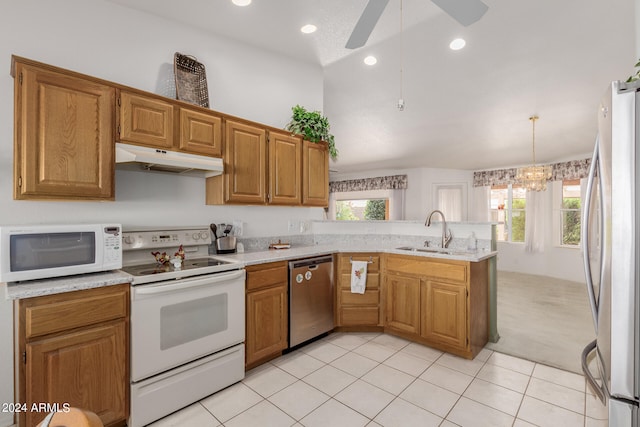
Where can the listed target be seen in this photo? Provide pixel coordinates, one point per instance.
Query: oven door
(177, 321)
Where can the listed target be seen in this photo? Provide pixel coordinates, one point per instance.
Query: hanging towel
(358, 276)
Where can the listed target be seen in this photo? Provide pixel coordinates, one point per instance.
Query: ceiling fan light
(308, 29)
(457, 44)
(371, 60)
(241, 3)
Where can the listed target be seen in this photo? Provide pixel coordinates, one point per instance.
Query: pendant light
(534, 178)
(400, 104)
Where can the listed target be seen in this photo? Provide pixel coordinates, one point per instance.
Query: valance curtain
(574, 169)
(394, 182)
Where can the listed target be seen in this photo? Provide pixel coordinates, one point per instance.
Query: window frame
(558, 211)
(508, 210)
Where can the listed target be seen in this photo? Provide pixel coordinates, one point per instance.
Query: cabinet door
(146, 121)
(64, 133)
(285, 169)
(403, 303)
(444, 309)
(315, 174)
(200, 133)
(245, 163)
(266, 323)
(86, 369)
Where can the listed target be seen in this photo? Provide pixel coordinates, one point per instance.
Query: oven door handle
(210, 279)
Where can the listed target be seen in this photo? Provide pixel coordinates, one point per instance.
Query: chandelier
(534, 178)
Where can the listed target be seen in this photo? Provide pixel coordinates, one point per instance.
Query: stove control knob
(204, 235)
(127, 240)
(195, 236)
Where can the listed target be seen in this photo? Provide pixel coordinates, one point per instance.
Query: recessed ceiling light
(457, 44)
(370, 60)
(309, 28)
(241, 2)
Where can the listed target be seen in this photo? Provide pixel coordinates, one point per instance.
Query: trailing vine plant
(313, 126)
(636, 76)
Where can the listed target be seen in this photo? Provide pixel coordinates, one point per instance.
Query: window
(507, 204)
(570, 213)
(367, 209)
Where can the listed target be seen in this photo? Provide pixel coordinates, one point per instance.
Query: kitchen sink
(444, 251)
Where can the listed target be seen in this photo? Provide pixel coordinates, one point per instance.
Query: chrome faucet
(446, 234)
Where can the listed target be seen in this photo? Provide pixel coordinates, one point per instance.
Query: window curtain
(394, 182)
(480, 209)
(534, 228)
(450, 203)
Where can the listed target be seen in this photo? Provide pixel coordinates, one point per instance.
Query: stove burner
(188, 264)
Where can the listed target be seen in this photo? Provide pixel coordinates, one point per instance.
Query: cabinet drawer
(359, 316)
(265, 275)
(448, 270)
(368, 298)
(440, 270)
(56, 313)
(373, 267)
(373, 281)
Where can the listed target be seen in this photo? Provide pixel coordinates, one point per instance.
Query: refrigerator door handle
(598, 389)
(586, 215)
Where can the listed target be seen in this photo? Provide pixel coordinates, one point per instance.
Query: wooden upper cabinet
(315, 174)
(285, 168)
(64, 136)
(146, 121)
(200, 133)
(245, 163)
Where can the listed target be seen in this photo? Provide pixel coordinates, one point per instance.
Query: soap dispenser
(472, 242)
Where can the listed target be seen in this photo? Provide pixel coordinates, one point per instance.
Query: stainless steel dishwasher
(310, 298)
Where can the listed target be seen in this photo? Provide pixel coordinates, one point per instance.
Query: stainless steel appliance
(29, 252)
(610, 236)
(310, 298)
(187, 321)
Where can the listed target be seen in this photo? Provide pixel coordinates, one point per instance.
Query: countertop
(41, 287)
(272, 255)
(36, 288)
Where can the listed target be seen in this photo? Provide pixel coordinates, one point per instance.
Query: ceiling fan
(466, 12)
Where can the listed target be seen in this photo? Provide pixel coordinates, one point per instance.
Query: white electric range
(187, 320)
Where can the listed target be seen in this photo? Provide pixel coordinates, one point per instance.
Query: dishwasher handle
(310, 262)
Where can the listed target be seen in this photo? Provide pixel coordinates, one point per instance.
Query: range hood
(134, 157)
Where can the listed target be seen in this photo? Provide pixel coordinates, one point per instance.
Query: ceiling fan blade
(465, 12)
(366, 23)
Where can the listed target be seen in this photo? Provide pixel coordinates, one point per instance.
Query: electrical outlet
(237, 228)
(304, 226)
(292, 225)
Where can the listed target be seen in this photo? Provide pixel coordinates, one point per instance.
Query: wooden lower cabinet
(444, 313)
(403, 303)
(266, 312)
(73, 348)
(358, 310)
(439, 302)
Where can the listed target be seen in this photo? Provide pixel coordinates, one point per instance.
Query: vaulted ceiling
(466, 109)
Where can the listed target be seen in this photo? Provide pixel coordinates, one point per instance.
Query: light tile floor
(371, 379)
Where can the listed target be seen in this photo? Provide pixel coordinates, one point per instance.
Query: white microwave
(29, 252)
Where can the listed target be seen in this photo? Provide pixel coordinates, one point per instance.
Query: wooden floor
(543, 319)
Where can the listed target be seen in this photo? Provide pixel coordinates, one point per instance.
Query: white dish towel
(358, 276)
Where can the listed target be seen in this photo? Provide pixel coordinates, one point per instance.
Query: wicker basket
(191, 80)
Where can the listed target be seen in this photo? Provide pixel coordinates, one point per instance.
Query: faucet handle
(447, 238)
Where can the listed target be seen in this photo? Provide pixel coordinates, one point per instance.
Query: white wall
(105, 40)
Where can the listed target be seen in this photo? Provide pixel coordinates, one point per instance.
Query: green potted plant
(313, 126)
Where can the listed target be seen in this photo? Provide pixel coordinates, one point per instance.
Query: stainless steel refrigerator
(610, 236)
